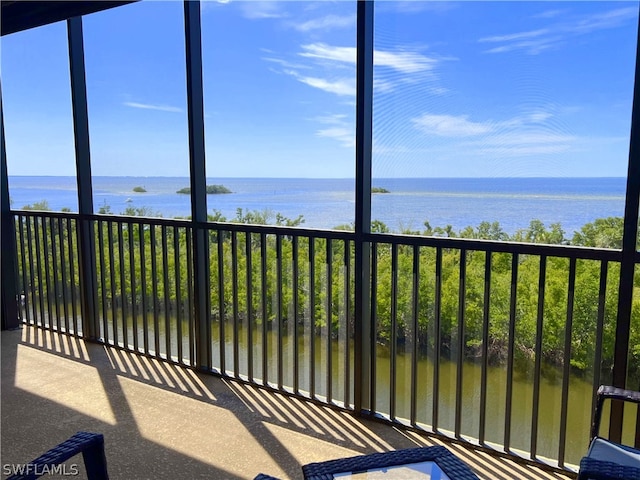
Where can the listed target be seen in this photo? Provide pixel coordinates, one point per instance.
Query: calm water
(327, 203)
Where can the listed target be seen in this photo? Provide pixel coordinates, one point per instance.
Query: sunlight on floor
(80, 381)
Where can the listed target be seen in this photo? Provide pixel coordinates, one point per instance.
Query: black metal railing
(477, 340)
(499, 344)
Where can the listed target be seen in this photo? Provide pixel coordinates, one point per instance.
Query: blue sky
(461, 89)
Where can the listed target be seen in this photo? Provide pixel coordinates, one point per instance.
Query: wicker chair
(605, 459)
(91, 445)
(449, 463)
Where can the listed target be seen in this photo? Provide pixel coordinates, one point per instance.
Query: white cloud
(148, 106)
(285, 63)
(327, 52)
(339, 128)
(262, 9)
(534, 42)
(450, 125)
(515, 36)
(326, 23)
(403, 61)
(346, 86)
(344, 135)
(417, 6)
(600, 21)
(524, 135)
(533, 47)
(549, 14)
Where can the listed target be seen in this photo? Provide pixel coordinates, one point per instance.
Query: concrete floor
(162, 421)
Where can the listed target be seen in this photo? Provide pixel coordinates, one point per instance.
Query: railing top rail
(188, 223)
(563, 251)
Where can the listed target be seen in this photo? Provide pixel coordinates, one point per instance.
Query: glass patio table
(435, 463)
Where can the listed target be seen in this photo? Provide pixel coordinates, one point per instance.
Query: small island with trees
(211, 190)
(379, 190)
(139, 189)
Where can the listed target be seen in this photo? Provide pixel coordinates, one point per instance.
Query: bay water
(328, 203)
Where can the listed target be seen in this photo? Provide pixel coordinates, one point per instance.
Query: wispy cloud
(524, 135)
(344, 86)
(450, 125)
(329, 52)
(549, 13)
(338, 128)
(516, 36)
(536, 41)
(149, 106)
(262, 9)
(417, 6)
(327, 22)
(402, 61)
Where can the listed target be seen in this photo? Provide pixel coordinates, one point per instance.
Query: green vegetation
(252, 255)
(38, 206)
(379, 190)
(217, 189)
(211, 190)
(139, 189)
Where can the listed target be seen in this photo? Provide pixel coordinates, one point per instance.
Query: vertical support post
(627, 267)
(363, 328)
(10, 318)
(87, 252)
(195, 108)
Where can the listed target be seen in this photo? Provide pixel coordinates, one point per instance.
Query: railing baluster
(437, 341)
(485, 347)
(154, 289)
(567, 362)
(71, 234)
(312, 317)
(510, 351)
(234, 295)
(112, 276)
(294, 320)
(374, 316)
(177, 232)
(143, 287)
(538, 354)
(597, 362)
(278, 308)
(250, 313)
(54, 271)
(63, 271)
(415, 306)
(347, 321)
(36, 232)
(263, 286)
(190, 287)
(26, 301)
(47, 269)
(221, 304)
(33, 262)
(134, 296)
(462, 294)
(393, 360)
(102, 275)
(329, 351)
(123, 288)
(166, 289)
